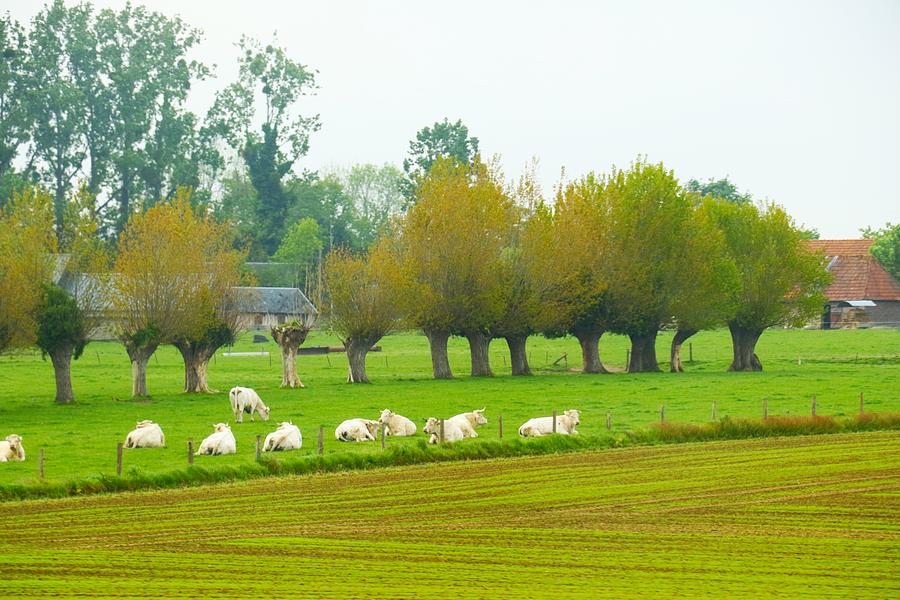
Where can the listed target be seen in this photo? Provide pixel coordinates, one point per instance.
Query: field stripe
(814, 516)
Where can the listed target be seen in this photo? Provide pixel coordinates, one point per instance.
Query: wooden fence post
(119, 447)
(321, 440)
(814, 405)
(41, 464)
(441, 437)
(608, 420)
(862, 404)
(627, 357)
(190, 451)
(258, 447)
(500, 425)
(554, 421)
(662, 413)
(383, 434)
(690, 351)
(765, 408)
(714, 411)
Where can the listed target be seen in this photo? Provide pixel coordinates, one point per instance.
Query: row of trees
(629, 252)
(173, 282)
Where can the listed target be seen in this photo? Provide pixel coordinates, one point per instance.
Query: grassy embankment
(815, 516)
(80, 440)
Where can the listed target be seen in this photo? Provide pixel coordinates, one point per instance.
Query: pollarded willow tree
(215, 308)
(362, 301)
(452, 242)
(659, 256)
(570, 249)
(174, 269)
(523, 308)
(27, 244)
(707, 296)
(781, 280)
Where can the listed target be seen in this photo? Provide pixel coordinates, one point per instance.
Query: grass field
(815, 516)
(80, 439)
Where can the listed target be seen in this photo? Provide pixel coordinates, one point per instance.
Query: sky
(795, 102)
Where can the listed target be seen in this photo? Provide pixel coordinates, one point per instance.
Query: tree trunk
(62, 368)
(289, 338)
(196, 358)
(743, 341)
(675, 358)
(440, 363)
(518, 357)
(140, 356)
(356, 357)
(590, 351)
(479, 344)
(643, 354)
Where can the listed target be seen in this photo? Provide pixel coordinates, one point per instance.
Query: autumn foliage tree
(27, 244)
(453, 239)
(780, 280)
(172, 277)
(362, 301)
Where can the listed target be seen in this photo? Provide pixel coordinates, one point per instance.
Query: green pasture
(801, 517)
(80, 439)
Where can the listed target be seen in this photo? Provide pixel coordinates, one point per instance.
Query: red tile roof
(857, 275)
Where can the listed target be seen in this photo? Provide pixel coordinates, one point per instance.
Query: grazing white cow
(565, 424)
(396, 425)
(146, 434)
(286, 437)
(452, 430)
(220, 442)
(467, 422)
(246, 400)
(356, 430)
(11, 449)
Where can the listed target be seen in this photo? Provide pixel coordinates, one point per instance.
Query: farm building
(265, 307)
(862, 293)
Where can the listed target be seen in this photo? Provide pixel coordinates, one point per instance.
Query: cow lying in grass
(452, 430)
(565, 424)
(467, 422)
(146, 434)
(286, 437)
(220, 442)
(356, 430)
(11, 449)
(246, 400)
(396, 425)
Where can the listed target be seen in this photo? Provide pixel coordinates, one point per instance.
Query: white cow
(565, 424)
(246, 400)
(356, 430)
(467, 422)
(146, 434)
(11, 449)
(396, 425)
(286, 437)
(220, 442)
(452, 431)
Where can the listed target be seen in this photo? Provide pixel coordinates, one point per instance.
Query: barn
(862, 293)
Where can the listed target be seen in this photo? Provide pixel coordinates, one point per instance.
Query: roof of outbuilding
(274, 301)
(857, 275)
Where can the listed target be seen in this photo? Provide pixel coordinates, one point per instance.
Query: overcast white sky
(796, 102)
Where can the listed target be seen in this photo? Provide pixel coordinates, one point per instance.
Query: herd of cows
(287, 436)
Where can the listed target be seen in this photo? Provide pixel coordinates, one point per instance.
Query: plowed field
(814, 516)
